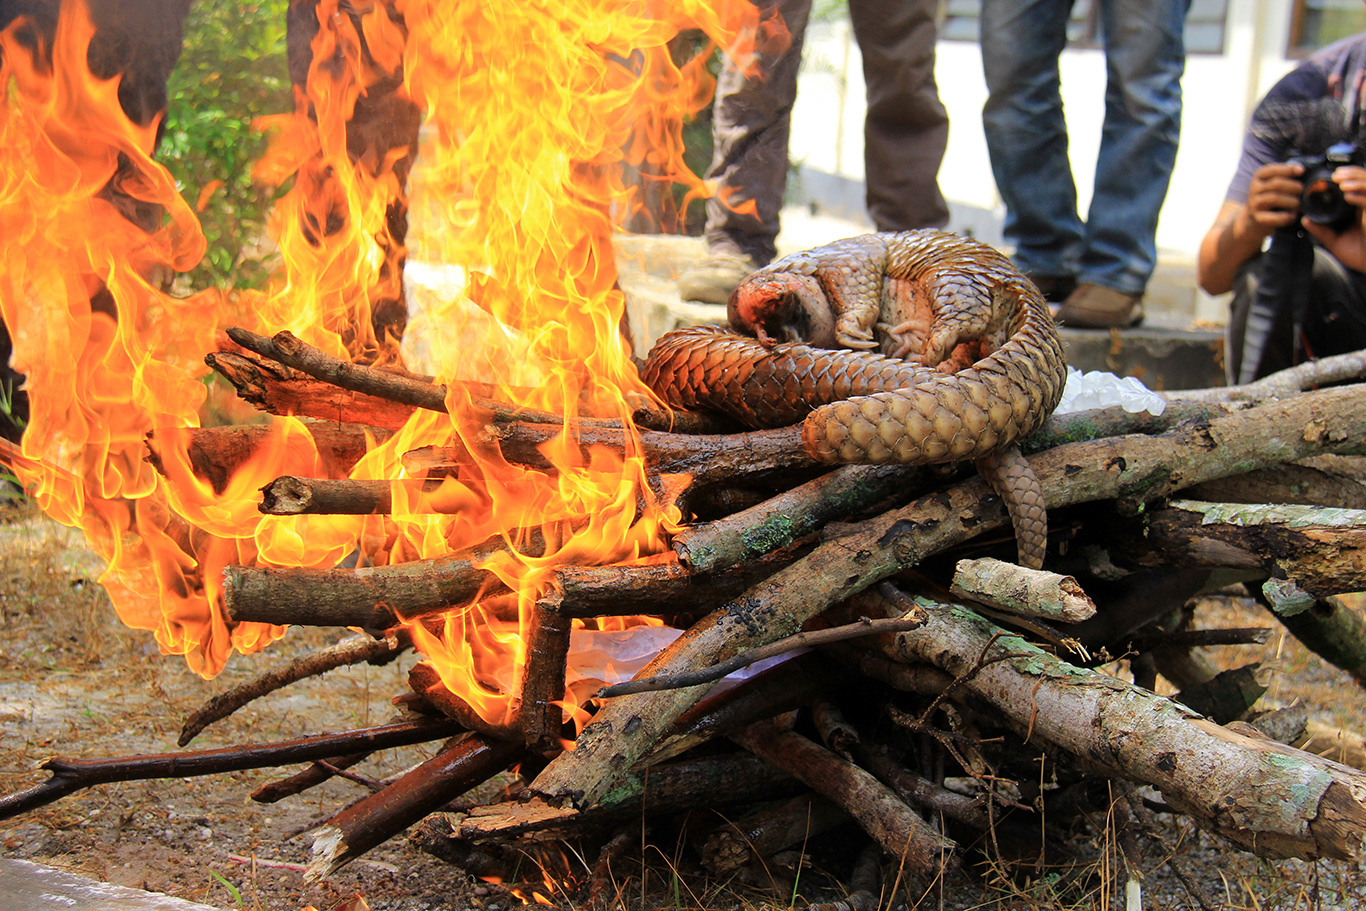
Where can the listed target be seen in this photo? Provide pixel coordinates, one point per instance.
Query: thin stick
(349, 651)
(810, 638)
(71, 775)
(1309, 375)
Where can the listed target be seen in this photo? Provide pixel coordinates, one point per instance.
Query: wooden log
(542, 688)
(1295, 484)
(922, 792)
(1265, 797)
(1227, 696)
(287, 349)
(1325, 371)
(295, 496)
(1323, 550)
(1019, 590)
(371, 597)
(662, 588)
(783, 519)
(216, 453)
(893, 825)
(466, 761)
(349, 651)
(71, 775)
(1333, 630)
(277, 389)
(1133, 468)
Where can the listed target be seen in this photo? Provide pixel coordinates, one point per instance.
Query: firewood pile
(914, 681)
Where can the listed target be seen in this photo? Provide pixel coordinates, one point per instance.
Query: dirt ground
(74, 682)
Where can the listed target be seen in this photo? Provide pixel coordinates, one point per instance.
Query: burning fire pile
(519, 516)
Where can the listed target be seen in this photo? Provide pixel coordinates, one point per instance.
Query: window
(1318, 23)
(1204, 23)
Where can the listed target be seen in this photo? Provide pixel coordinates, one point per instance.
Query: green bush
(232, 69)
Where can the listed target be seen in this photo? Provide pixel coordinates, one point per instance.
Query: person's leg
(907, 128)
(751, 122)
(1145, 58)
(1027, 134)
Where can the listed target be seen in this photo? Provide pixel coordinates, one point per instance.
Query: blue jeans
(1027, 136)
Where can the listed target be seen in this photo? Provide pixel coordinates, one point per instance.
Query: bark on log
(277, 389)
(1265, 797)
(1302, 377)
(658, 589)
(215, 453)
(1323, 550)
(1137, 468)
(1018, 590)
(538, 711)
(1298, 484)
(372, 598)
(295, 496)
(1335, 631)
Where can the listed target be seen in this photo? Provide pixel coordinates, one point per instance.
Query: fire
(535, 114)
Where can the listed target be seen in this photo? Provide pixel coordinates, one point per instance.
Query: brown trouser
(905, 132)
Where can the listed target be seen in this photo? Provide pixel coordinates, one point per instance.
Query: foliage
(232, 69)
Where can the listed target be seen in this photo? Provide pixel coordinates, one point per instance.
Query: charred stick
(215, 453)
(279, 390)
(427, 683)
(350, 651)
(1134, 468)
(1265, 797)
(70, 775)
(310, 777)
(810, 638)
(892, 824)
(547, 650)
(465, 762)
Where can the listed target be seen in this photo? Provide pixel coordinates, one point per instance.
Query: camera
(1322, 201)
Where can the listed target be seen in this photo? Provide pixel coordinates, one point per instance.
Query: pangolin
(970, 360)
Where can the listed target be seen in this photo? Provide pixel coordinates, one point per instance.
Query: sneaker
(1054, 288)
(1098, 307)
(714, 278)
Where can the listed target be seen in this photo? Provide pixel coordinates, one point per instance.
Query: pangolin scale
(971, 360)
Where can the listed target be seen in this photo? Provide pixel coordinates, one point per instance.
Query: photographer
(1304, 296)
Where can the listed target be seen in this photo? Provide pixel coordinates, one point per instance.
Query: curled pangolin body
(983, 365)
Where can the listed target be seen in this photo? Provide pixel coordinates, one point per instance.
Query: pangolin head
(782, 307)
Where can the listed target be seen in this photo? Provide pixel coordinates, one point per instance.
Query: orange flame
(536, 116)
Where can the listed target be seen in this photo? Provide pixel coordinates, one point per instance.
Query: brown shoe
(714, 278)
(1098, 307)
